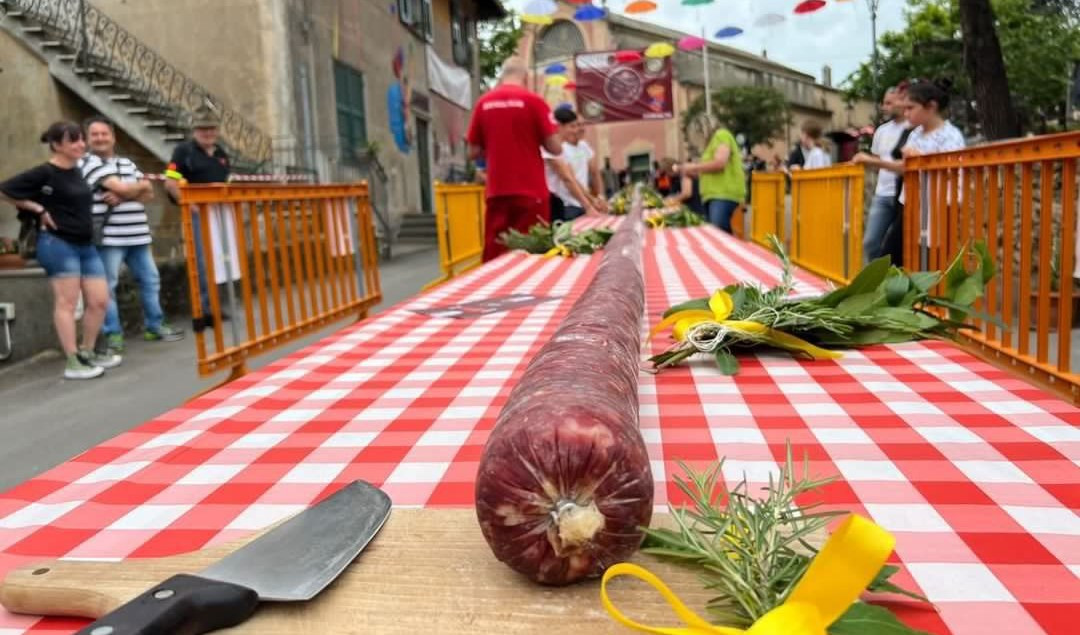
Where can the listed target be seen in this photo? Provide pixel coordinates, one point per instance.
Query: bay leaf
(868, 280)
(697, 304)
(726, 362)
(896, 287)
(857, 304)
(925, 280)
(869, 619)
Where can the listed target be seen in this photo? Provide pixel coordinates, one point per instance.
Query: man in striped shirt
(120, 190)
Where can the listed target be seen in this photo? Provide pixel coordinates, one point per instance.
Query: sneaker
(101, 360)
(76, 368)
(114, 343)
(164, 333)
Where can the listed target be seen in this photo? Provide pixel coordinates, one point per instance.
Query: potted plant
(9, 254)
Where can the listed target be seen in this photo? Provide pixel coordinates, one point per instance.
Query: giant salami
(564, 481)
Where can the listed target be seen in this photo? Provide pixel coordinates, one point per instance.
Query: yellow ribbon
(559, 250)
(720, 307)
(656, 222)
(840, 572)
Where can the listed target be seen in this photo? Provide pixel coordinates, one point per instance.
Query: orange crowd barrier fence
(289, 259)
(459, 223)
(767, 207)
(1020, 199)
(827, 220)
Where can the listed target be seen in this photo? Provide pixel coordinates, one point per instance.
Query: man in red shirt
(509, 125)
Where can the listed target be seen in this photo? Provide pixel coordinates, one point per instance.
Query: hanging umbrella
(555, 69)
(695, 3)
(769, 19)
(640, 6)
(558, 81)
(627, 56)
(728, 31)
(569, 86)
(691, 43)
(541, 20)
(588, 13)
(809, 6)
(659, 49)
(541, 7)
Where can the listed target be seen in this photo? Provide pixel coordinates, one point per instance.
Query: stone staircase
(126, 80)
(418, 228)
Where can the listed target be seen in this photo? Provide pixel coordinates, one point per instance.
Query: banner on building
(610, 90)
(452, 82)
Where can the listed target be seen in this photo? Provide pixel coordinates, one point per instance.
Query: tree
(1040, 39)
(759, 113)
(986, 70)
(498, 41)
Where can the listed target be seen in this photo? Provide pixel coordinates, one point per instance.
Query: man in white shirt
(573, 177)
(884, 207)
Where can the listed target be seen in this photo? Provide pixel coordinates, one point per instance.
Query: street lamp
(876, 70)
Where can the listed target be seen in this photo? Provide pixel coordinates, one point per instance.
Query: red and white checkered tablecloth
(976, 472)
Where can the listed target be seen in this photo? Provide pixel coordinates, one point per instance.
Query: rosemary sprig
(751, 551)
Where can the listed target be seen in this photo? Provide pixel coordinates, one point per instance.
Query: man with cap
(202, 160)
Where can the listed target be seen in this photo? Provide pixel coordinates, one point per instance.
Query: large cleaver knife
(292, 562)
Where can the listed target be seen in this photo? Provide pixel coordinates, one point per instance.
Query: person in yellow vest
(721, 179)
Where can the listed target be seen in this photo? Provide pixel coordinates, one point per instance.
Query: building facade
(336, 89)
(636, 145)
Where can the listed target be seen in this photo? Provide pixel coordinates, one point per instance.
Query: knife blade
(292, 562)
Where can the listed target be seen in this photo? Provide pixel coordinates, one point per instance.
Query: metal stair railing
(112, 51)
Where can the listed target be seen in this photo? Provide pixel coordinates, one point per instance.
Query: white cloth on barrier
(219, 248)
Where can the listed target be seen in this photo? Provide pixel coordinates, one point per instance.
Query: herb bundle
(753, 551)
(556, 239)
(683, 217)
(883, 304)
(619, 204)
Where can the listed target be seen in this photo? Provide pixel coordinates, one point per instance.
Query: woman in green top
(721, 178)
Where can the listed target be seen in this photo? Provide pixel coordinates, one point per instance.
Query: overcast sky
(837, 35)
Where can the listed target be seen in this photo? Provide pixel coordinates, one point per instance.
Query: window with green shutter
(351, 119)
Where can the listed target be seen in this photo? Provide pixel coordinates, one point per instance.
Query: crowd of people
(545, 170)
(83, 215)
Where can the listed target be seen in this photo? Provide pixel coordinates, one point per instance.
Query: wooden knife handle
(184, 604)
(69, 588)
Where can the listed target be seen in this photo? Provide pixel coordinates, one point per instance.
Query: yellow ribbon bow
(720, 307)
(841, 571)
(559, 250)
(656, 222)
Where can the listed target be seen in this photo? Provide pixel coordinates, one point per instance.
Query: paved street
(46, 420)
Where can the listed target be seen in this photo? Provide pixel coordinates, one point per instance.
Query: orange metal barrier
(767, 207)
(304, 256)
(1020, 198)
(459, 221)
(827, 220)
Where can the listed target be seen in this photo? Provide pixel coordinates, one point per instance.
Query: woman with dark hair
(56, 197)
(927, 105)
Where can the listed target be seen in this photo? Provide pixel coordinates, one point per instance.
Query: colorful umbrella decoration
(769, 19)
(640, 6)
(691, 43)
(809, 6)
(695, 3)
(541, 20)
(541, 7)
(558, 81)
(627, 56)
(555, 69)
(728, 31)
(569, 86)
(660, 49)
(588, 13)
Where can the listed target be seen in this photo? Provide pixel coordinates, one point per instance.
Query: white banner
(452, 82)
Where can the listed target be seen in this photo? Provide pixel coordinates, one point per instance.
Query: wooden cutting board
(427, 571)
